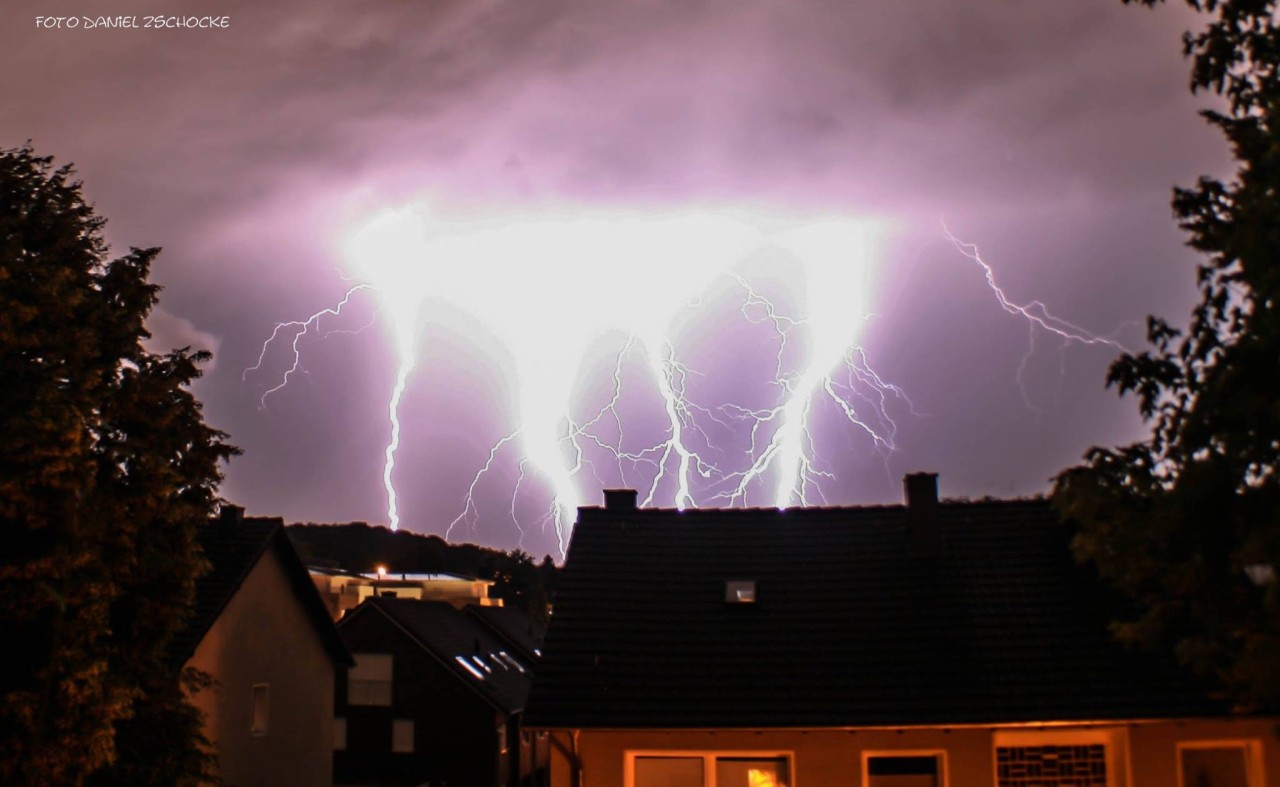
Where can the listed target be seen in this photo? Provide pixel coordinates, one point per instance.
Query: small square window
(740, 591)
(402, 736)
(261, 709)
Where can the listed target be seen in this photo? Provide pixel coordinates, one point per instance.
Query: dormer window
(740, 591)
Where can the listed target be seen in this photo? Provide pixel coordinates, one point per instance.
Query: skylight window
(505, 658)
(740, 591)
(469, 667)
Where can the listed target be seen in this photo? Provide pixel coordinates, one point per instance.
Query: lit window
(339, 734)
(402, 736)
(1229, 764)
(740, 591)
(369, 681)
(261, 709)
(702, 770)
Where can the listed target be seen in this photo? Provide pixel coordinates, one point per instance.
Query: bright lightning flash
(550, 285)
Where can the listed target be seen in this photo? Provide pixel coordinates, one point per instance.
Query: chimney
(620, 499)
(922, 509)
(230, 515)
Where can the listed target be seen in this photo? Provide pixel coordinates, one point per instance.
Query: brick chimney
(620, 499)
(230, 515)
(922, 509)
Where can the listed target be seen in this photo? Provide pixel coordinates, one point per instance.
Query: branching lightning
(1034, 312)
(547, 286)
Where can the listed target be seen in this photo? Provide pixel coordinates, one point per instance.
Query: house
(263, 634)
(930, 644)
(343, 591)
(435, 698)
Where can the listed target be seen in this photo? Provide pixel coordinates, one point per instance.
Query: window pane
(1217, 767)
(669, 772)
(261, 709)
(371, 666)
(368, 692)
(903, 771)
(748, 772)
(402, 736)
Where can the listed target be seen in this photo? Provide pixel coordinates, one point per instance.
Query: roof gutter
(989, 725)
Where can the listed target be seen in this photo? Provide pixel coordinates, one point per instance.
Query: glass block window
(1080, 765)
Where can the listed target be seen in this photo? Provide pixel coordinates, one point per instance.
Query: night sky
(1047, 132)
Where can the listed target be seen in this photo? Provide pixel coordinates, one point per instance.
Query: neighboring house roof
(233, 545)
(514, 625)
(951, 613)
(475, 655)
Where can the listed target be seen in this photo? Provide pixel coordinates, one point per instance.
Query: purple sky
(1048, 132)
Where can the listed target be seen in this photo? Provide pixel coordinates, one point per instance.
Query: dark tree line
(1187, 522)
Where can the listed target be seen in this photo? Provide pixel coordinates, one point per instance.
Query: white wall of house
(264, 648)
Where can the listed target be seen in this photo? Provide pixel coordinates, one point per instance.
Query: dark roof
(233, 546)
(514, 625)
(856, 623)
(473, 653)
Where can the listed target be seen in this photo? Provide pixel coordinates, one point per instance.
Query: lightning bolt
(300, 329)
(633, 272)
(1037, 316)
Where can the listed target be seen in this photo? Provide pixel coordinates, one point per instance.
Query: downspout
(571, 754)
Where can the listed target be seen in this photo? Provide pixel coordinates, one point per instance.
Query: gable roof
(477, 657)
(233, 545)
(856, 623)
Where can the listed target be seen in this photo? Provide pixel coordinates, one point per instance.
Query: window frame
(944, 772)
(1254, 770)
(709, 757)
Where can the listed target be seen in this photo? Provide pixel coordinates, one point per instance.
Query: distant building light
(1260, 573)
(740, 591)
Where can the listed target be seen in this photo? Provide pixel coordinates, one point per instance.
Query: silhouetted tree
(1187, 522)
(106, 467)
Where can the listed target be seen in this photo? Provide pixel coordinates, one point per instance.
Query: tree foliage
(1187, 522)
(106, 466)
